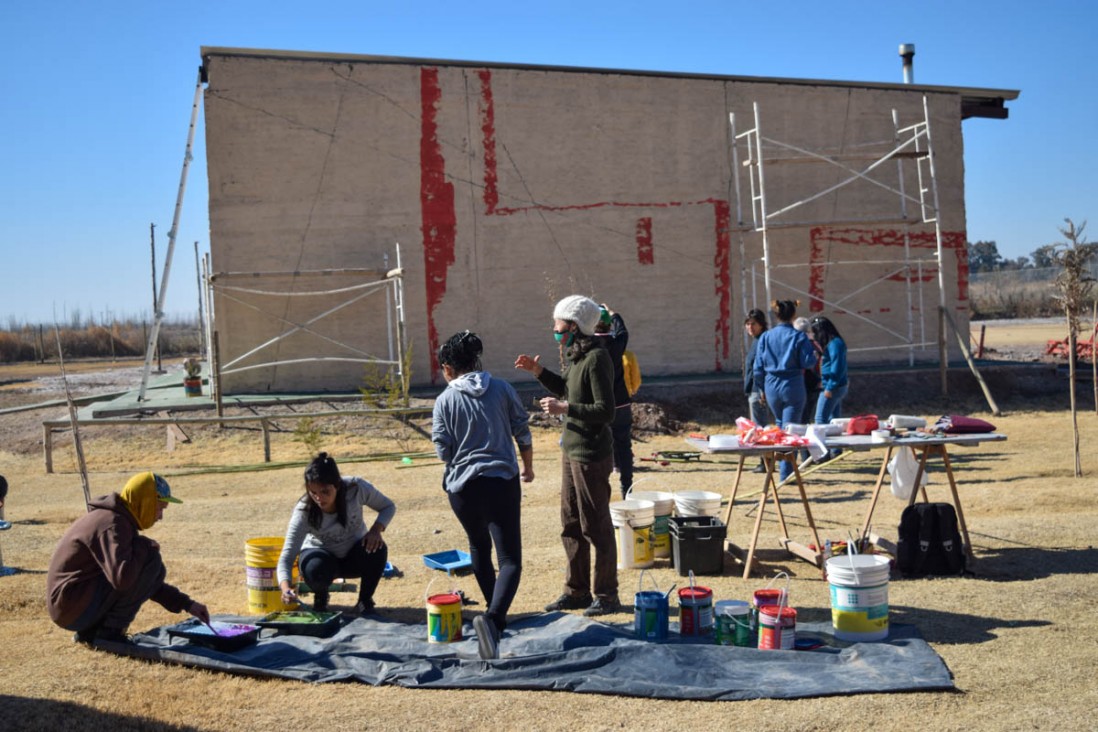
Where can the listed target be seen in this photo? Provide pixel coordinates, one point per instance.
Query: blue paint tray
(448, 560)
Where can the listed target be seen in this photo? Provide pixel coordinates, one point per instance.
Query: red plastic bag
(863, 424)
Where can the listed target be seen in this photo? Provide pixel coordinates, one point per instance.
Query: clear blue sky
(97, 95)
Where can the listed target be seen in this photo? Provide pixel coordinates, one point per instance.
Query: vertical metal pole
(202, 348)
(389, 297)
(159, 315)
(907, 242)
(762, 206)
(207, 291)
(943, 355)
(404, 377)
(152, 251)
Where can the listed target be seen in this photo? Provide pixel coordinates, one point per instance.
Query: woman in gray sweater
(477, 422)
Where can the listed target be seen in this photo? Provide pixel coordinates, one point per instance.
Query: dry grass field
(1019, 636)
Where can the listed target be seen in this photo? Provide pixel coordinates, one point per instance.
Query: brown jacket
(103, 543)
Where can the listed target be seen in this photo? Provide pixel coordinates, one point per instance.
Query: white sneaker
(487, 637)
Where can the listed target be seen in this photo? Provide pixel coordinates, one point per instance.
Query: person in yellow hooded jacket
(103, 569)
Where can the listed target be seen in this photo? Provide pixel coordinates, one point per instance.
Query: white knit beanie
(583, 311)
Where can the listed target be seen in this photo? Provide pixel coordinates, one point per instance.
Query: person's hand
(827, 393)
(552, 405)
(289, 597)
(199, 610)
(529, 363)
(528, 475)
(373, 541)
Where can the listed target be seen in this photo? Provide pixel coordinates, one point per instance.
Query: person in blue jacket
(477, 422)
(833, 378)
(782, 355)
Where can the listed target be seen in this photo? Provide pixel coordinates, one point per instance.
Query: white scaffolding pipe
(158, 316)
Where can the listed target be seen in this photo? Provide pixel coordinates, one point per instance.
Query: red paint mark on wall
(436, 197)
(722, 219)
(488, 131)
(921, 243)
(644, 240)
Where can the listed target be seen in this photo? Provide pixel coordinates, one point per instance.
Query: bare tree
(1073, 287)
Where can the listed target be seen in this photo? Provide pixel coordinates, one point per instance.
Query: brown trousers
(585, 523)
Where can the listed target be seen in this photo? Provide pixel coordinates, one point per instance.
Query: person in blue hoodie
(782, 354)
(475, 420)
(833, 378)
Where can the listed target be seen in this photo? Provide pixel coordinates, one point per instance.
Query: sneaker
(602, 607)
(759, 469)
(86, 636)
(568, 602)
(111, 635)
(487, 637)
(362, 609)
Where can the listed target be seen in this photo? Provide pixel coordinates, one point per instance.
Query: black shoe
(86, 636)
(759, 469)
(487, 637)
(602, 607)
(568, 602)
(362, 609)
(111, 635)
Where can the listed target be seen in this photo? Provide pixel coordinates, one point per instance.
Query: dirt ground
(1018, 636)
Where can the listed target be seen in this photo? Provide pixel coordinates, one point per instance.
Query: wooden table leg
(919, 473)
(957, 502)
(768, 460)
(876, 491)
(807, 508)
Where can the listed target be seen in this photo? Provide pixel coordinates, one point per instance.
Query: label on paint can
(695, 610)
(777, 628)
(733, 624)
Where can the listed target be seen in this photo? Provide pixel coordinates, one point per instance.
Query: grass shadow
(21, 713)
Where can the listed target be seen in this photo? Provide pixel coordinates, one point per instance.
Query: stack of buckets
(633, 520)
(261, 569)
(697, 503)
(664, 504)
(859, 596)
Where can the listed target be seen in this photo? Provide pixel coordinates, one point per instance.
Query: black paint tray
(301, 622)
(230, 636)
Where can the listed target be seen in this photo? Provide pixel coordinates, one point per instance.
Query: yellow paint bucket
(261, 569)
(443, 617)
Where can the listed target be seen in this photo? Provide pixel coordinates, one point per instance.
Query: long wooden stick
(75, 423)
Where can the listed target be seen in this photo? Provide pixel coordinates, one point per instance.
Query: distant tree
(983, 256)
(1044, 257)
(1074, 285)
(1019, 263)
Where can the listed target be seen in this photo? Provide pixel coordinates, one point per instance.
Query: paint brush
(213, 630)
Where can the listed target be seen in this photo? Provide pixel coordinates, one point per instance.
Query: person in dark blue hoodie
(475, 421)
(782, 355)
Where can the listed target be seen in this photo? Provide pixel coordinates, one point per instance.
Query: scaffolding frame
(391, 284)
(912, 142)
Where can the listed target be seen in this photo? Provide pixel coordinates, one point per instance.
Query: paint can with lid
(695, 609)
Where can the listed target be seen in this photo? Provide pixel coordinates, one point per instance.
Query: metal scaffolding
(767, 162)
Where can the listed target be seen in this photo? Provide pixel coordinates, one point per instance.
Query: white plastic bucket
(697, 503)
(859, 596)
(664, 504)
(633, 520)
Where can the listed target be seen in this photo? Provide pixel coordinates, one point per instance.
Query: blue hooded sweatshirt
(475, 420)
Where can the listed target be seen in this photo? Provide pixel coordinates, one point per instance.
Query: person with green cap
(103, 569)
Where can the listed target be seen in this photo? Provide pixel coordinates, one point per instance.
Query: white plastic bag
(901, 470)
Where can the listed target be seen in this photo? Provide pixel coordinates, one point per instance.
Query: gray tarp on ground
(562, 652)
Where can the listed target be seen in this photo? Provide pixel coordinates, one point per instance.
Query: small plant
(384, 387)
(307, 432)
(192, 367)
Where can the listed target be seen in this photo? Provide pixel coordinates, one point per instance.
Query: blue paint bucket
(650, 612)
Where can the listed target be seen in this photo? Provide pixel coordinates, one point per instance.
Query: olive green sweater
(587, 384)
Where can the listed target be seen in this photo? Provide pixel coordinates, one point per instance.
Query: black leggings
(319, 567)
(489, 511)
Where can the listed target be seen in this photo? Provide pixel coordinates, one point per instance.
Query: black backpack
(930, 542)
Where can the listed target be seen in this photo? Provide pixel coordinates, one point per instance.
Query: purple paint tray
(229, 637)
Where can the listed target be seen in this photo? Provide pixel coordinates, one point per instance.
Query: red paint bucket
(777, 628)
(695, 610)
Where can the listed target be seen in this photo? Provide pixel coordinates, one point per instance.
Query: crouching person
(104, 569)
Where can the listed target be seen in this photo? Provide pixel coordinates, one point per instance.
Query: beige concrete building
(507, 187)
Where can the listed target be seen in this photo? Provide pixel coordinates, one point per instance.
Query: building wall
(509, 188)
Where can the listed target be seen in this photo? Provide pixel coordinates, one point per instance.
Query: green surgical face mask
(559, 336)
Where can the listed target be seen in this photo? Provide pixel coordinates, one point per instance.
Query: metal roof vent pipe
(907, 53)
